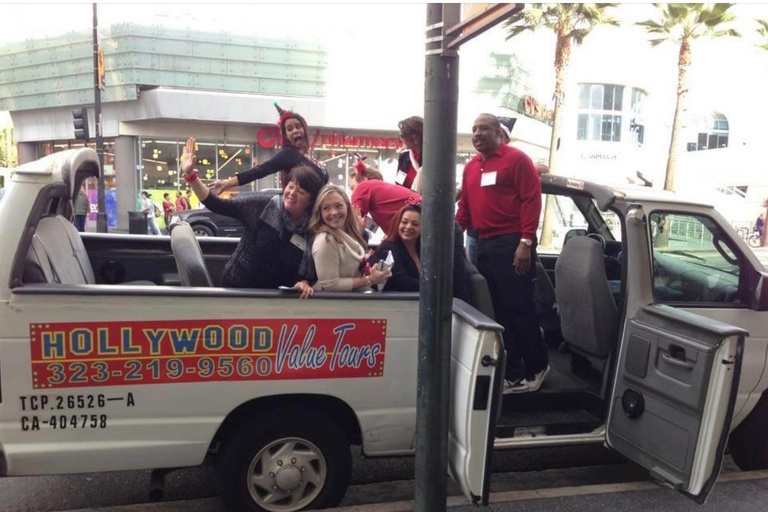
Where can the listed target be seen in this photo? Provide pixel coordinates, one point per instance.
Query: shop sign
(537, 110)
(268, 136)
(595, 156)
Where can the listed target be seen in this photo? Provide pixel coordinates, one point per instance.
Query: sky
(376, 59)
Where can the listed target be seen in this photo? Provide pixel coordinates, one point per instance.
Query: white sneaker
(517, 386)
(538, 379)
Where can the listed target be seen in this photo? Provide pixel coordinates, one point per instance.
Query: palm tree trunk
(562, 57)
(677, 123)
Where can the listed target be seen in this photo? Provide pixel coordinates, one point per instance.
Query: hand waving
(188, 158)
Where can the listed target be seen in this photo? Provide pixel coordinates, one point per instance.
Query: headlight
(175, 218)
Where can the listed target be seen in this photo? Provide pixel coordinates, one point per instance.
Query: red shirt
(509, 204)
(381, 200)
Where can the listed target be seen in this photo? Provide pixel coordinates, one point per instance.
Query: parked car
(662, 312)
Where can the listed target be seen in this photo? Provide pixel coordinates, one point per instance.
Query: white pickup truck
(107, 363)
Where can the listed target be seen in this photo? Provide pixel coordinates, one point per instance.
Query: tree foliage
(574, 21)
(684, 22)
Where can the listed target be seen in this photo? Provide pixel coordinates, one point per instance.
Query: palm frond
(731, 32)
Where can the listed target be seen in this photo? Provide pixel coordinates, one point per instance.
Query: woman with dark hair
(273, 244)
(294, 137)
(409, 162)
(404, 241)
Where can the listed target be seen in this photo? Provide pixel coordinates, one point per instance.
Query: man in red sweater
(501, 199)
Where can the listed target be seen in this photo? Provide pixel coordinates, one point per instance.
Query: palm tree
(763, 31)
(571, 23)
(681, 24)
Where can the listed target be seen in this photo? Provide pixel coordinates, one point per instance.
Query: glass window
(597, 97)
(206, 161)
(618, 96)
(566, 219)
(608, 97)
(582, 130)
(232, 159)
(158, 165)
(709, 131)
(692, 262)
(584, 90)
(598, 103)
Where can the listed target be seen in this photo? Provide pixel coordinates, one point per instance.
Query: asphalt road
(67, 492)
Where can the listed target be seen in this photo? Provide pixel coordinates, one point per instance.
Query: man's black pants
(513, 305)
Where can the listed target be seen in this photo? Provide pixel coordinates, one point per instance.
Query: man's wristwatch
(527, 241)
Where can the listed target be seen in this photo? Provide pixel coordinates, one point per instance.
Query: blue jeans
(152, 227)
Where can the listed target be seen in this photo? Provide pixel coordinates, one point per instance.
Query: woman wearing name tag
(274, 242)
(338, 248)
(409, 163)
(404, 242)
(294, 137)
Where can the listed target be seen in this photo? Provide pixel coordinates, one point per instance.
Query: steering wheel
(599, 238)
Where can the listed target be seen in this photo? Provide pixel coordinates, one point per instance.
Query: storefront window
(159, 165)
(232, 159)
(206, 161)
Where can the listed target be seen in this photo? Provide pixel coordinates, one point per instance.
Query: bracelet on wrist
(191, 176)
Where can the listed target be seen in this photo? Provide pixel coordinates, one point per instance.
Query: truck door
(674, 394)
(477, 374)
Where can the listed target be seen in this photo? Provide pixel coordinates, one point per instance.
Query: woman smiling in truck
(273, 244)
(338, 248)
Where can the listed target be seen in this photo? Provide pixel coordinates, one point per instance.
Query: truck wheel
(283, 462)
(749, 441)
(202, 230)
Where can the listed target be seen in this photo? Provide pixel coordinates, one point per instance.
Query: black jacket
(405, 274)
(285, 160)
(264, 258)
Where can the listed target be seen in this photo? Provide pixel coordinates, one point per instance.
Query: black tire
(749, 441)
(754, 240)
(244, 455)
(202, 230)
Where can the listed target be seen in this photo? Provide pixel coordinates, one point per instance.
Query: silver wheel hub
(287, 475)
(288, 478)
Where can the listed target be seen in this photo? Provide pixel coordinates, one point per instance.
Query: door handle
(677, 362)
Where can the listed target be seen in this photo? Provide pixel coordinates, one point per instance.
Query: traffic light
(80, 121)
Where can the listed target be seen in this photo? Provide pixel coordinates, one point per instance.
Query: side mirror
(573, 233)
(760, 299)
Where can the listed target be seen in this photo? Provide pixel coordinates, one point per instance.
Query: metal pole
(435, 300)
(101, 217)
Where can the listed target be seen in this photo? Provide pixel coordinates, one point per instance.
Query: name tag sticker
(400, 178)
(487, 179)
(299, 241)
